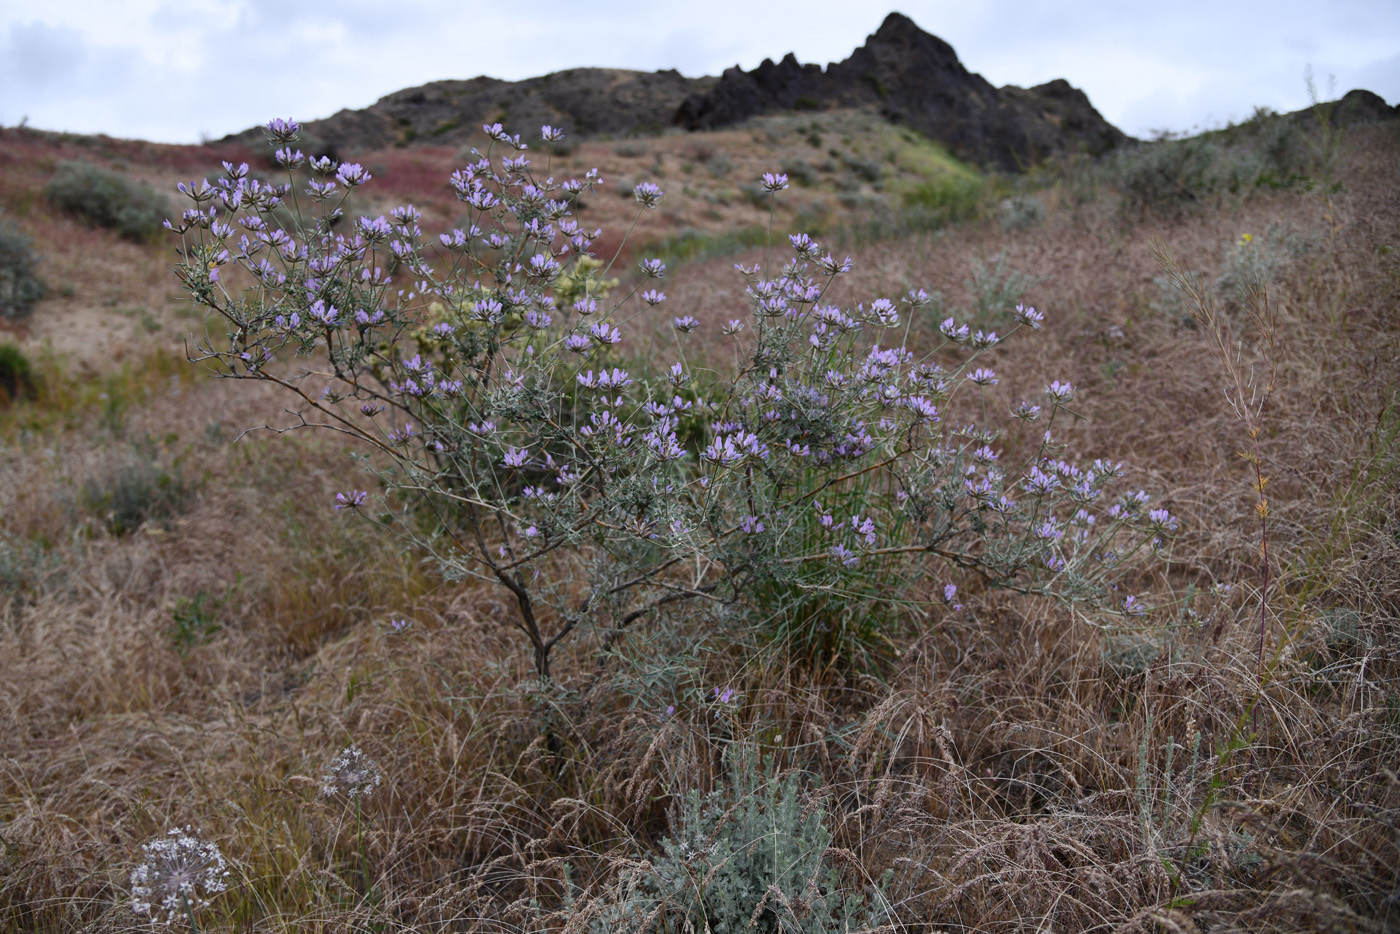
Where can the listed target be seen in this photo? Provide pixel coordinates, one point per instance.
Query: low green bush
(106, 199)
(751, 857)
(16, 373)
(1169, 177)
(944, 200)
(20, 286)
(132, 489)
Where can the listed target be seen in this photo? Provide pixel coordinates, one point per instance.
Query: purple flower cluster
(475, 361)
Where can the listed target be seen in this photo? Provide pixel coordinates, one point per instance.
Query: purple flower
(653, 268)
(844, 555)
(751, 525)
(864, 527)
(1131, 607)
(283, 131)
(805, 246)
(352, 174)
(1028, 316)
(551, 134)
(983, 377)
(576, 342)
(352, 500)
(375, 231)
(733, 327)
(515, 457)
(399, 625)
(542, 266)
(602, 333)
(1026, 411)
(726, 696)
(883, 311)
(653, 297)
(772, 183)
(1084, 492)
(950, 330)
(648, 194)
(1060, 392)
(1162, 520)
(323, 313)
(950, 594)
(685, 324)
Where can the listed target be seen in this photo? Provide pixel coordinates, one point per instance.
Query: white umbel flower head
(351, 773)
(178, 869)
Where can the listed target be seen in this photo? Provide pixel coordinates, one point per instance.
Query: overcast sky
(182, 70)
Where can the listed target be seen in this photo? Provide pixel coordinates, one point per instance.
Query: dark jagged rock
(1355, 108)
(915, 78)
(582, 101)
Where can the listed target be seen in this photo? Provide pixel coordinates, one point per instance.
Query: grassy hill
(190, 632)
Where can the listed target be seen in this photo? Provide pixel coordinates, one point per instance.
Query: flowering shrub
(483, 371)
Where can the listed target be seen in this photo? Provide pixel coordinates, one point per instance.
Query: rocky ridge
(902, 72)
(914, 78)
(906, 75)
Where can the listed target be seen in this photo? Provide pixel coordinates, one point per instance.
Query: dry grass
(1018, 767)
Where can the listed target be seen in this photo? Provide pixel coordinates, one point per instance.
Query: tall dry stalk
(1247, 394)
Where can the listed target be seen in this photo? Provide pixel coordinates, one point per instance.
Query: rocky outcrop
(902, 72)
(1353, 109)
(583, 101)
(915, 78)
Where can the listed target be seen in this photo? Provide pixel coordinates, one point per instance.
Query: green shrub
(196, 619)
(1172, 176)
(24, 566)
(996, 289)
(753, 857)
(1246, 263)
(944, 200)
(867, 170)
(1020, 213)
(134, 489)
(1253, 262)
(106, 199)
(16, 373)
(800, 171)
(20, 288)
